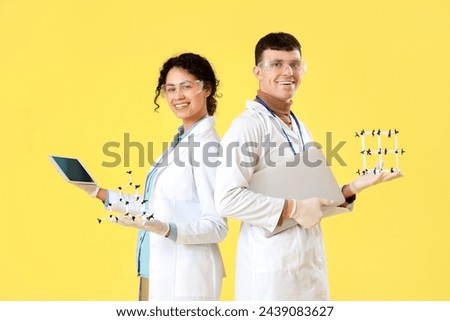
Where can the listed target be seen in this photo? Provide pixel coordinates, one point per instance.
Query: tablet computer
(299, 177)
(72, 170)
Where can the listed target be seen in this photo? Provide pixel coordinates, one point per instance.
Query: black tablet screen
(73, 169)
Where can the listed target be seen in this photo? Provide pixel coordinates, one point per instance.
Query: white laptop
(72, 170)
(302, 176)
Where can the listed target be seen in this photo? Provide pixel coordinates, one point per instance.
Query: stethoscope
(284, 132)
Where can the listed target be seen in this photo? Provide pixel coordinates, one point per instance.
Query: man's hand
(308, 212)
(367, 180)
(151, 225)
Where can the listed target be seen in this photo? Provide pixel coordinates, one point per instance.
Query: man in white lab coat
(289, 265)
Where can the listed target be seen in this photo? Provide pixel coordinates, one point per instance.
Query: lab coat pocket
(277, 253)
(194, 273)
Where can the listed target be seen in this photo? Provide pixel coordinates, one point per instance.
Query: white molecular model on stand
(380, 150)
(136, 202)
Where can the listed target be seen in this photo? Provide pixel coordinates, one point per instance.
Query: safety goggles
(277, 66)
(186, 87)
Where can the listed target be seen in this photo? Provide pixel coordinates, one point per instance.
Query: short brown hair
(276, 41)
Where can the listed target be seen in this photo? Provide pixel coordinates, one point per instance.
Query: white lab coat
(183, 193)
(290, 265)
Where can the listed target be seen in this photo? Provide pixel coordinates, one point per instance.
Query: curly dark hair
(197, 66)
(276, 41)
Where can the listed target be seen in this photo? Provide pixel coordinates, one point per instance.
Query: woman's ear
(207, 89)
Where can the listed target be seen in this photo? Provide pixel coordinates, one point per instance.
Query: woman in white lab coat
(179, 228)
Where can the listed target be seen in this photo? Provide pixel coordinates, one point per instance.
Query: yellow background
(75, 75)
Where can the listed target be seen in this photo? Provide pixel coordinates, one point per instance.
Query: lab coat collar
(256, 106)
(204, 124)
(259, 108)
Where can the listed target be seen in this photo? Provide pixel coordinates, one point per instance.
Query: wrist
(348, 194)
(102, 194)
(167, 234)
(288, 210)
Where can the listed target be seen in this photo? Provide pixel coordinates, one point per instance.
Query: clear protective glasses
(186, 87)
(278, 65)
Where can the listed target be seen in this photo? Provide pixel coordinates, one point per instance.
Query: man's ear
(257, 71)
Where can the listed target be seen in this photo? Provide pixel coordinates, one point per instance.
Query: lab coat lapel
(180, 154)
(279, 124)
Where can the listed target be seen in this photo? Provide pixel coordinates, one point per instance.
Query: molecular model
(136, 202)
(380, 150)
